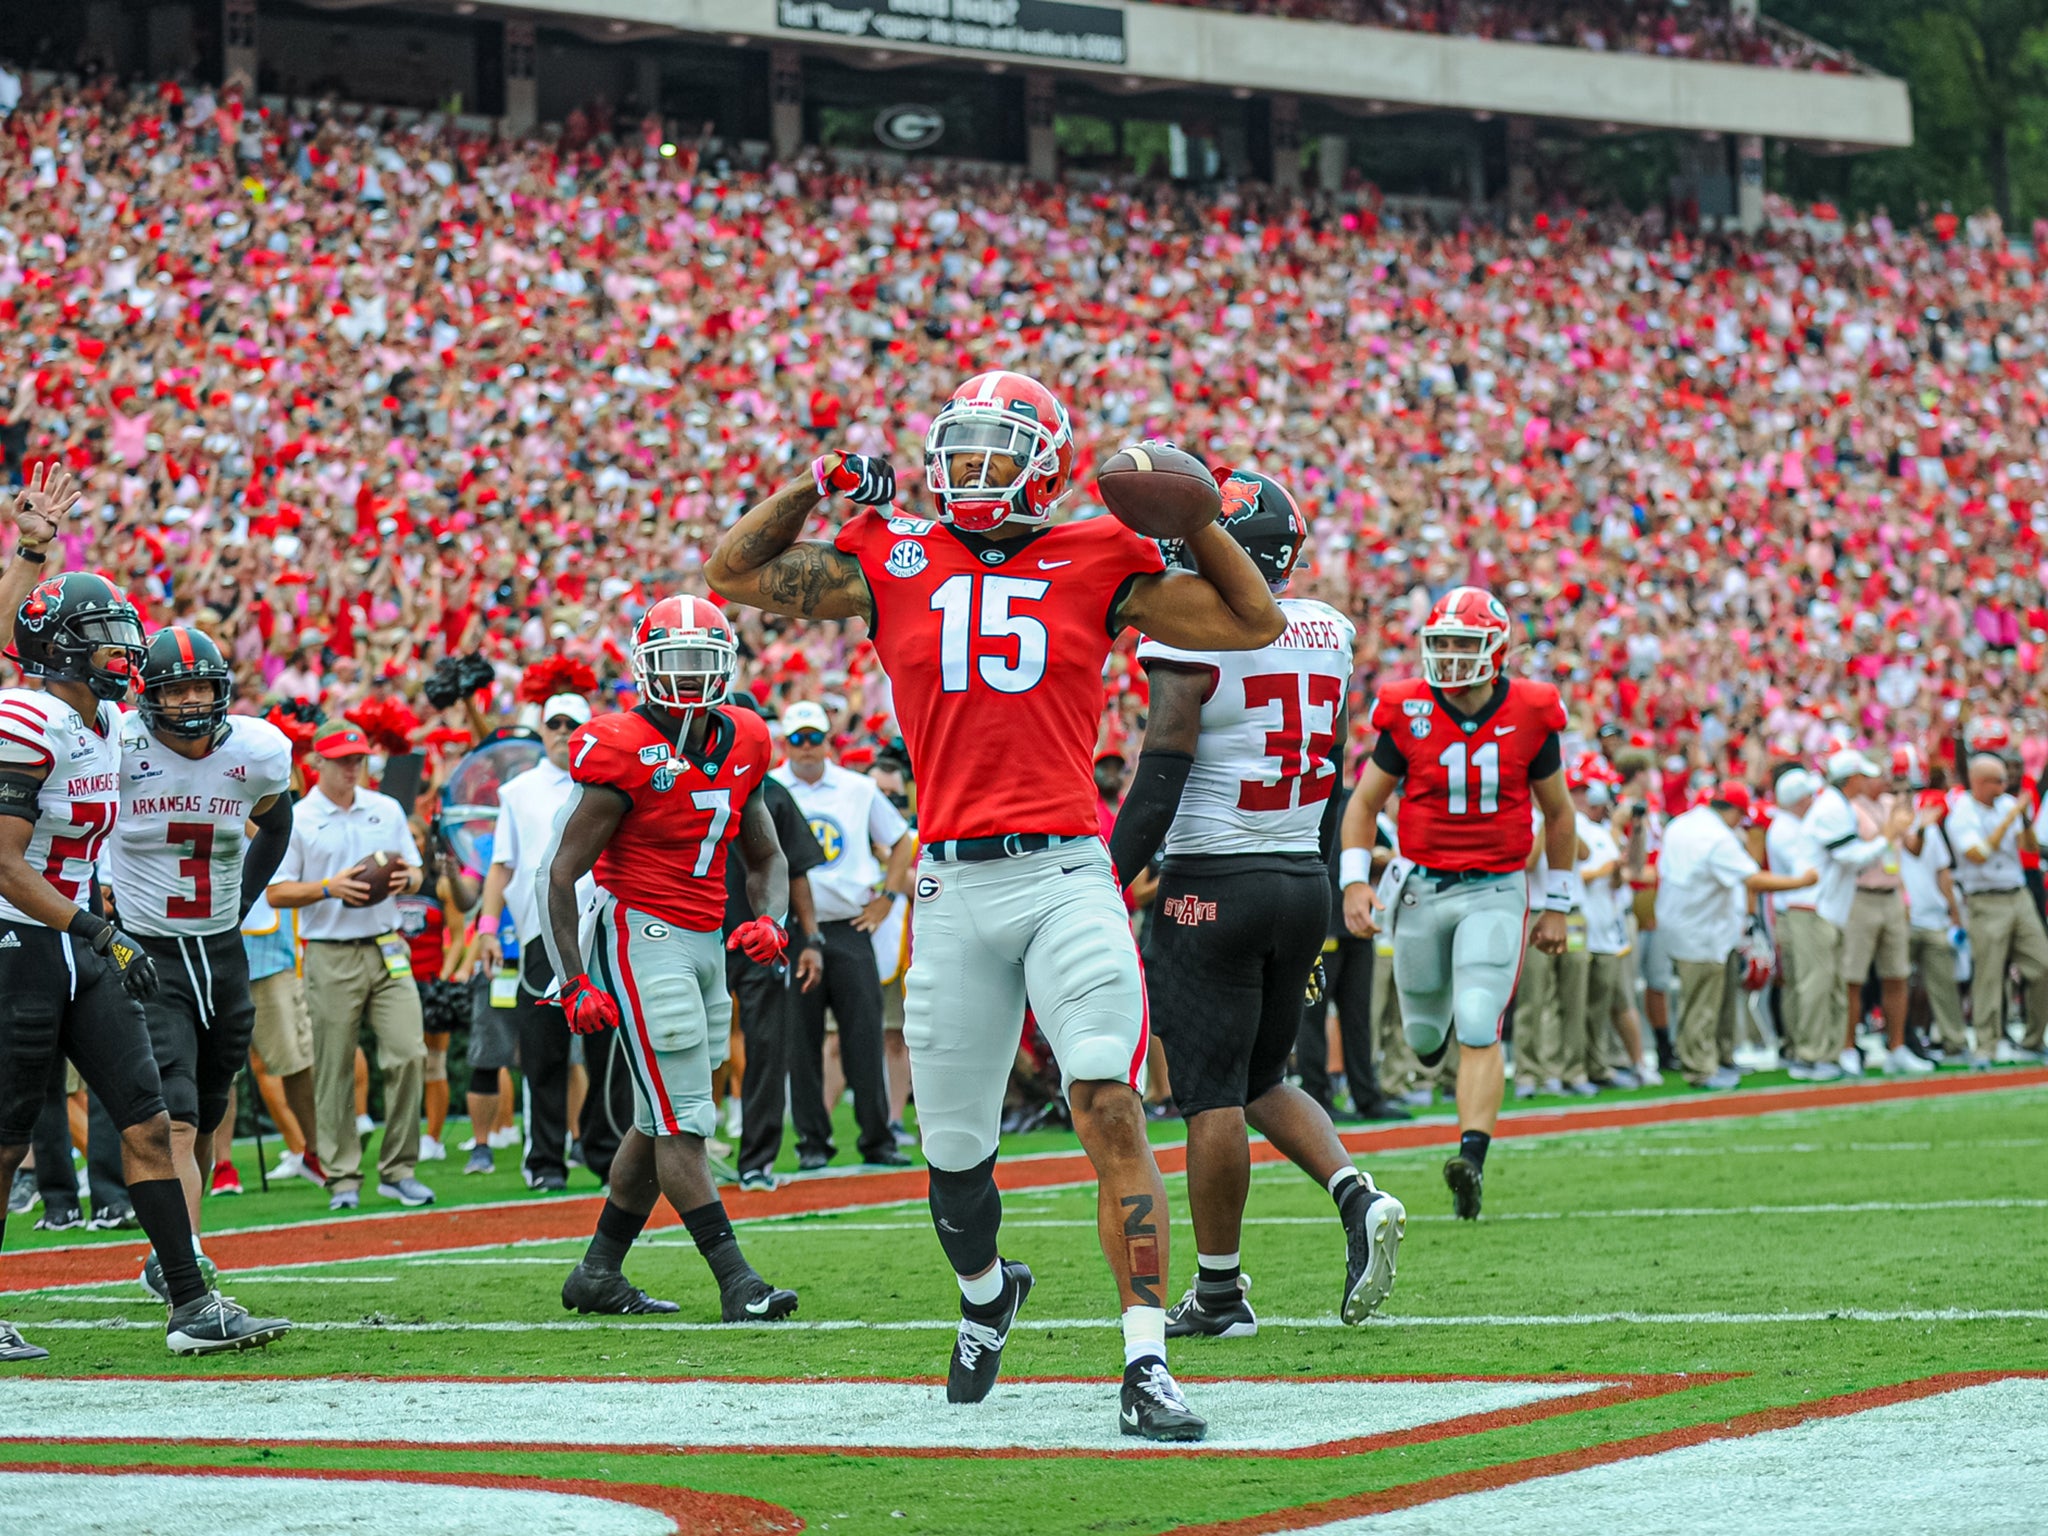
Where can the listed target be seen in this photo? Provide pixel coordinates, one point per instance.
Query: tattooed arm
(760, 563)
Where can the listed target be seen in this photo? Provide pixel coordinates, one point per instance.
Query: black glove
(129, 959)
(858, 477)
(474, 672)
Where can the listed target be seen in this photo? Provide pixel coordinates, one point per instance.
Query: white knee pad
(954, 1148)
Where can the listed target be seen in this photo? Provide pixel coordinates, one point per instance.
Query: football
(1158, 490)
(381, 872)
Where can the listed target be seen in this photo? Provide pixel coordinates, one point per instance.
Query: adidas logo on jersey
(1188, 911)
(239, 773)
(9, 941)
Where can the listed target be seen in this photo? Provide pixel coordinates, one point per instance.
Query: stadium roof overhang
(1147, 44)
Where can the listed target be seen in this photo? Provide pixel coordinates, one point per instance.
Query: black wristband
(33, 556)
(814, 941)
(97, 932)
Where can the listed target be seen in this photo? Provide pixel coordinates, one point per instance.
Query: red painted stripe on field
(329, 1241)
(1507, 1474)
(714, 1514)
(1619, 1389)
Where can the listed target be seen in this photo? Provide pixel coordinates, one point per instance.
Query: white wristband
(1354, 866)
(1557, 892)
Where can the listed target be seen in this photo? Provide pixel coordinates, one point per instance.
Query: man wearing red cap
(1703, 896)
(358, 968)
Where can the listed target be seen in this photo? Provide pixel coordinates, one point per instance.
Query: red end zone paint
(711, 1514)
(1407, 1495)
(1618, 1389)
(325, 1242)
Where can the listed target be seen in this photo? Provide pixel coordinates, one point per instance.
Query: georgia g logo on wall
(909, 127)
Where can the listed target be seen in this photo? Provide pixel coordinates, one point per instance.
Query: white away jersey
(176, 858)
(1269, 724)
(41, 731)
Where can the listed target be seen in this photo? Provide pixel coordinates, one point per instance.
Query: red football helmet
(1464, 639)
(999, 415)
(684, 655)
(1988, 733)
(1909, 766)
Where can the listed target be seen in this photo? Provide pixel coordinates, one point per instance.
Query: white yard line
(949, 1324)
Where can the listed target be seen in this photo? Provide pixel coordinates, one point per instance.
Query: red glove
(761, 941)
(590, 1011)
(858, 477)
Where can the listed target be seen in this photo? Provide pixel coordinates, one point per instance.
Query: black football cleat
(15, 1350)
(1372, 1243)
(1464, 1177)
(1194, 1317)
(978, 1346)
(596, 1290)
(214, 1324)
(754, 1300)
(1153, 1408)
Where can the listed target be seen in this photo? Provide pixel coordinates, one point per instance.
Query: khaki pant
(348, 986)
(1550, 1017)
(1876, 934)
(1810, 956)
(1706, 1017)
(1935, 959)
(2003, 926)
(284, 1032)
(1605, 978)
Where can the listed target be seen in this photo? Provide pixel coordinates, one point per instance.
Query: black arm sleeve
(1549, 758)
(1147, 811)
(21, 795)
(265, 851)
(1388, 756)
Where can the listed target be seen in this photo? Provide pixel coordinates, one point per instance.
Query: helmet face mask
(79, 628)
(176, 660)
(1000, 450)
(684, 656)
(1463, 640)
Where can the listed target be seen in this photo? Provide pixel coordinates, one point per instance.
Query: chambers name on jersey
(175, 860)
(1262, 773)
(1465, 801)
(668, 855)
(81, 759)
(994, 650)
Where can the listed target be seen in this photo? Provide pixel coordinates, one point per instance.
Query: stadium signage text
(1039, 29)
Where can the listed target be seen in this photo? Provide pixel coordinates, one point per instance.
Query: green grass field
(1799, 1255)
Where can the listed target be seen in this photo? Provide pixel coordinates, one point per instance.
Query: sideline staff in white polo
(851, 818)
(1988, 829)
(358, 968)
(529, 805)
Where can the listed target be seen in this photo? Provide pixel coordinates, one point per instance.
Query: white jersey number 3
(1484, 765)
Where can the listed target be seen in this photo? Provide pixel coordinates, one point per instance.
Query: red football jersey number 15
(1306, 777)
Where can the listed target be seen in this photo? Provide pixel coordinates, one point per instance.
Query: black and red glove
(762, 941)
(590, 1011)
(856, 476)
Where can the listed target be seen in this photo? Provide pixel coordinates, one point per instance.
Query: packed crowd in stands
(1681, 29)
(361, 399)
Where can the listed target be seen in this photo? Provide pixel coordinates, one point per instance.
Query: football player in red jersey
(660, 791)
(1469, 747)
(993, 624)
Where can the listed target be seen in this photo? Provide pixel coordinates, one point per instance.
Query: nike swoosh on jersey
(1053, 565)
(1503, 730)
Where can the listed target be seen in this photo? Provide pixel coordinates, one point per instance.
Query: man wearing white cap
(852, 893)
(1809, 946)
(1855, 844)
(1988, 829)
(529, 805)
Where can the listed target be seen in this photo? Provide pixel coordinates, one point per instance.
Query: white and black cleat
(1196, 1317)
(15, 1350)
(595, 1290)
(153, 1275)
(754, 1300)
(978, 1346)
(1372, 1245)
(215, 1325)
(1153, 1408)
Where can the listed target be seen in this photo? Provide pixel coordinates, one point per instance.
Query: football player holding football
(1242, 753)
(1469, 746)
(192, 778)
(660, 792)
(71, 982)
(993, 624)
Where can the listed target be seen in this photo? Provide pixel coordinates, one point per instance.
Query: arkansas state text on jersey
(1465, 801)
(82, 759)
(175, 860)
(1262, 773)
(995, 651)
(668, 855)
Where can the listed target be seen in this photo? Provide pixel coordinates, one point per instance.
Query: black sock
(713, 1235)
(160, 1207)
(1352, 1197)
(617, 1229)
(1472, 1147)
